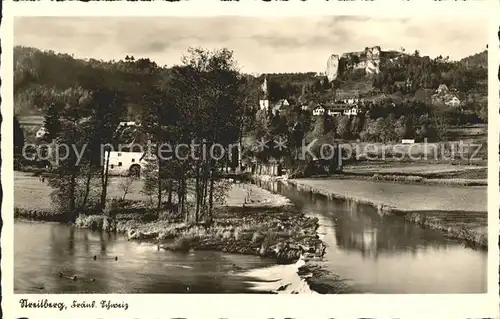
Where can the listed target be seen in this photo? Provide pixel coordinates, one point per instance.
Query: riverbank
(460, 212)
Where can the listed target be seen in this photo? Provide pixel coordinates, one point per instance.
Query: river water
(385, 254)
(372, 254)
(44, 250)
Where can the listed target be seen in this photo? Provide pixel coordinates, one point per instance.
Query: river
(385, 254)
(370, 253)
(44, 250)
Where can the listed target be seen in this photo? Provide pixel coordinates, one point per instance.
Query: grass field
(419, 169)
(31, 193)
(403, 197)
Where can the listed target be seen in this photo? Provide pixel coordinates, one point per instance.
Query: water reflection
(384, 254)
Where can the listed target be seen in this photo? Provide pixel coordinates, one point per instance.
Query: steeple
(264, 88)
(264, 100)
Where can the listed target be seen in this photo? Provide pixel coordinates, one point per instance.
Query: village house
(354, 111)
(283, 103)
(319, 110)
(263, 104)
(338, 109)
(335, 111)
(132, 156)
(41, 132)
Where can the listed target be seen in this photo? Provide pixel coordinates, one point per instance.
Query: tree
(52, 122)
(106, 111)
(18, 137)
(401, 128)
(125, 185)
(344, 127)
(199, 105)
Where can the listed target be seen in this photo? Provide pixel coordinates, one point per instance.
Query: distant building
(263, 104)
(354, 111)
(319, 110)
(408, 141)
(128, 160)
(335, 112)
(127, 163)
(41, 132)
(277, 106)
(283, 102)
(131, 123)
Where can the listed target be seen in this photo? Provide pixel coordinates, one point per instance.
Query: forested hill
(39, 74)
(402, 74)
(478, 60)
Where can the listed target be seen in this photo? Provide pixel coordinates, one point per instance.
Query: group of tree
(409, 73)
(382, 121)
(198, 102)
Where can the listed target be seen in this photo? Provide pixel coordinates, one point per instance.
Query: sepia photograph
(250, 155)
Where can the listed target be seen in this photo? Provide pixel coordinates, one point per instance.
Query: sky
(260, 44)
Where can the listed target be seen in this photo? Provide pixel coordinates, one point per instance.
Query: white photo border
(258, 306)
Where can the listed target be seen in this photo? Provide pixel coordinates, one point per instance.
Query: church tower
(264, 101)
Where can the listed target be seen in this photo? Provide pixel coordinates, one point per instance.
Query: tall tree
(18, 137)
(52, 122)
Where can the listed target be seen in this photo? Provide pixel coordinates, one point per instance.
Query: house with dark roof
(318, 110)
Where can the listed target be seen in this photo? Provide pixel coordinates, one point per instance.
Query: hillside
(370, 72)
(374, 72)
(40, 74)
(478, 60)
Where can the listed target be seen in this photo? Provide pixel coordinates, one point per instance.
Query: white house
(408, 141)
(127, 163)
(128, 124)
(283, 102)
(334, 113)
(351, 112)
(319, 111)
(263, 104)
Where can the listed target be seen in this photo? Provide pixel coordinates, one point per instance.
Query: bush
(39, 215)
(397, 178)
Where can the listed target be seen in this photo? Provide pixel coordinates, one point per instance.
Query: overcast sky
(270, 44)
